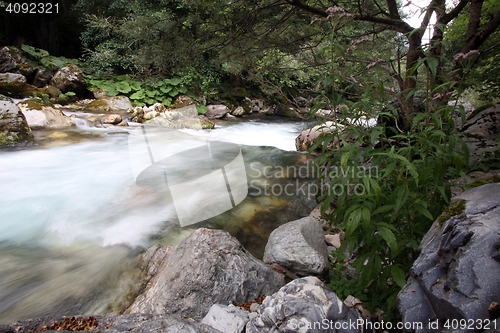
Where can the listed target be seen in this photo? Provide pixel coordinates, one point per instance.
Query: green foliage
(399, 186)
(43, 59)
(141, 93)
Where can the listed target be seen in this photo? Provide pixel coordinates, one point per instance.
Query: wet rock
(209, 267)
(114, 104)
(302, 306)
(299, 246)
(457, 275)
(227, 319)
(69, 78)
(137, 323)
(11, 83)
(216, 111)
(13, 126)
(112, 119)
(43, 116)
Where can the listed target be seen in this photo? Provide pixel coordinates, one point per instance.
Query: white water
(66, 212)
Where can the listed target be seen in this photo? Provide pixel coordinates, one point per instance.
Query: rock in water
(206, 268)
(13, 126)
(457, 275)
(298, 246)
(304, 305)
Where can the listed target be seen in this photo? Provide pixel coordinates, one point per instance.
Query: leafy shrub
(393, 188)
(141, 93)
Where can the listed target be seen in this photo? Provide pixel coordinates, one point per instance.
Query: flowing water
(73, 215)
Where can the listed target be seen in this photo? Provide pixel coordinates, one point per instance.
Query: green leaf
(432, 64)
(398, 276)
(123, 87)
(389, 237)
(138, 95)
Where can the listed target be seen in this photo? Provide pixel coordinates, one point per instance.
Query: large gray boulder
(206, 268)
(13, 126)
(137, 323)
(43, 116)
(304, 305)
(227, 319)
(298, 246)
(457, 275)
(69, 78)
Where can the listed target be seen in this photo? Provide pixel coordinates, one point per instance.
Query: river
(74, 216)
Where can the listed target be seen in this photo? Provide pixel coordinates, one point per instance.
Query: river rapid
(73, 216)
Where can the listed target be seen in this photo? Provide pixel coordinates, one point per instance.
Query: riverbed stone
(298, 246)
(69, 78)
(457, 275)
(13, 126)
(216, 111)
(44, 116)
(115, 104)
(307, 138)
(227, 319)
(137, 323)
(301, 306)
(208, 267)
(112, 119)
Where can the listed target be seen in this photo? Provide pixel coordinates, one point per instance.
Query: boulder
(304, 305)
(137, 323)
(42, 77)
(69, 78)
(457, 275)
(43, 116)
(209, 267)
(216, 111)
(13, 61)
(114, 104)
(298, 246)
(13, 126)
(483, 124)
(239, 111)
(227, 319)
(308, 137)
(12, 84)
(112, 119)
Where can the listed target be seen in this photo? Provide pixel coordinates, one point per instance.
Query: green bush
(393, 188)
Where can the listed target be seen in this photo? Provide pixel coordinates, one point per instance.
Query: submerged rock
(303, 305)
(457, 275)
(13, 126)
(298, 246)
(206, 268)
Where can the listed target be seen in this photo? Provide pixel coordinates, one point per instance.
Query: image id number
(32, 8)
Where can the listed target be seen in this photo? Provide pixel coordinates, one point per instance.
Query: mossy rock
(12, 84)
(454, 210)
(32, 104)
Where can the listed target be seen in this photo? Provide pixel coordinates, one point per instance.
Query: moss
(483, 181)
(32, 104)
(7, 139)
(454, 210)
(97, 105)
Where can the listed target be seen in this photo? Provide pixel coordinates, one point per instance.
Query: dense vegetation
(359, 54)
